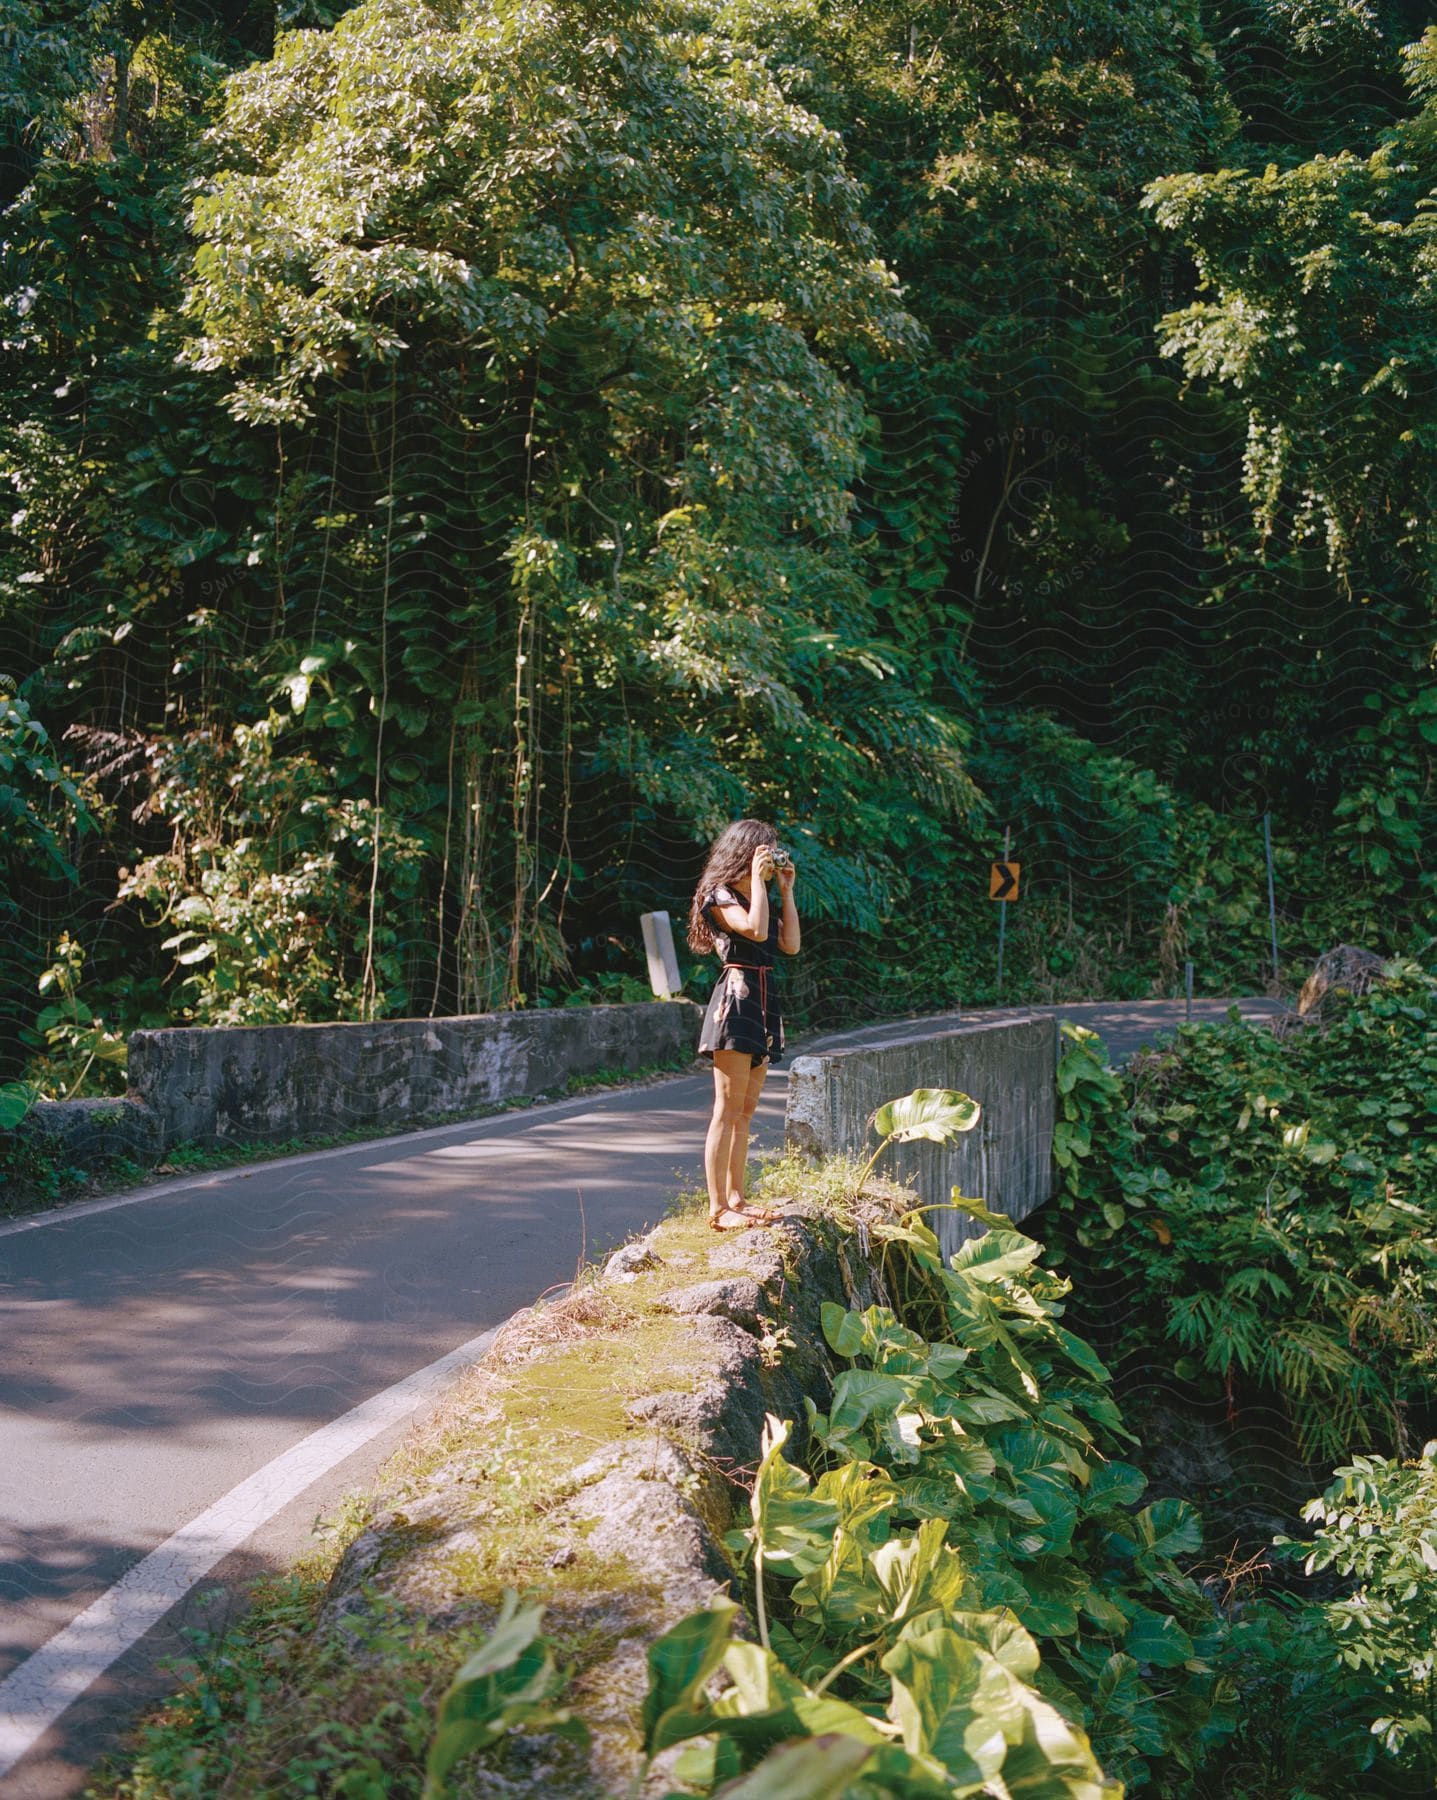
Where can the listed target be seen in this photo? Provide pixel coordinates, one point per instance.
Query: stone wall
(1006, 1160)
(631, 1535)
(87, 1134)
(275, 1081)
(261, 1083)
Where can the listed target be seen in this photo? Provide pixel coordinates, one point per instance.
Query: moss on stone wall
(592, 1461)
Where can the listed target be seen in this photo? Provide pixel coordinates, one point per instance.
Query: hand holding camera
(771, 860)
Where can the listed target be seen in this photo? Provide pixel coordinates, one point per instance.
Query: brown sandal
(749, 1215)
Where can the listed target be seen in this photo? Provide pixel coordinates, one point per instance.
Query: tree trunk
(120, 121)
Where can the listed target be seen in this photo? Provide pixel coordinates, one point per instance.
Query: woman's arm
(750, 921)
(788, 934)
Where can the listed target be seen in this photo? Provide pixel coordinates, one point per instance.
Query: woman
(743, 1029)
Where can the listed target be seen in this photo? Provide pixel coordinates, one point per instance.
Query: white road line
(33, 1696)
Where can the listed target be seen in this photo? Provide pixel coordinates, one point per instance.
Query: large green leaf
(986, 1409)
(920, 1570)
(938, 1114)
(858, 1393)
(1054, 1588)
(859, 1490)
(842, 1328)
(1001, 1635)
(996, 1255)
(793, 1528)
(1058, 1511)
(1121, 1701)
(1052, 1760)
(1109, 1617)
(901, 1436)
(931, 1496)
(1157, 1638)
(952, 1701)
(970, 1463)
(980, 1210)
(16, 1099)
(819, 1769)
(1113, 1485)
(680, 1662)
(507, 1682)
(1082, 1354)
(1168, 1528)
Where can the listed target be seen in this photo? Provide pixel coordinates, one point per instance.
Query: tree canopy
(464, 454)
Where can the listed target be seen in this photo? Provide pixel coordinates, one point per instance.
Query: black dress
(743, 1008)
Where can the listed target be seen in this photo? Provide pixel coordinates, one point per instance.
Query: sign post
(1271, 900)
(659, 948)
(1003, 887)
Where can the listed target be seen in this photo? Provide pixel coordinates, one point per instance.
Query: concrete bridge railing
(1006, 1160)
(264, 1083)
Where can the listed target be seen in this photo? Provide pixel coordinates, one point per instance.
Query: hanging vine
(368, 987)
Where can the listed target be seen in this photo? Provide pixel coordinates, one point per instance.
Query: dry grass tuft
(549, 1323)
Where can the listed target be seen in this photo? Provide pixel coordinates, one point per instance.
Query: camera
(777, 858)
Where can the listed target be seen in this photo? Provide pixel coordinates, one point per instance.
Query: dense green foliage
(461, 454)
(1000, 1441)
(1250, 1214)
(965, 1597)
(973, 1531)
(1377, 1524)
(1270, 1198)
(961, 1595)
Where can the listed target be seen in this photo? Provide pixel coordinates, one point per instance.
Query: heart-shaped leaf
(939, 1114)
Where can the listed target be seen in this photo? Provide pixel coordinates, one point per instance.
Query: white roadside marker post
(659, 948)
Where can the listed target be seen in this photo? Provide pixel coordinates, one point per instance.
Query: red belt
(761, 970)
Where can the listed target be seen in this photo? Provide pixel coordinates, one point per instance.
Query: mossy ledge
(593, 1461)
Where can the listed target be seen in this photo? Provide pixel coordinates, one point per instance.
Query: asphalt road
(169, 1355)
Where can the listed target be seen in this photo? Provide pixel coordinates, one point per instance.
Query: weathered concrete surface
(1005, 1160)
(266, 1082)
(87, 1134)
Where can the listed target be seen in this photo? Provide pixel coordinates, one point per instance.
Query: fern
(1269, 1197)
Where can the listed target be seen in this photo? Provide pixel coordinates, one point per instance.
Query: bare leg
(738, 1155)
(731, 1080)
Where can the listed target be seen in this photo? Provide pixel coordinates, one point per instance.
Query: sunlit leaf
(939, 1114)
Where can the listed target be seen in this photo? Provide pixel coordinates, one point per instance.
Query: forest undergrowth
(1248, 1221)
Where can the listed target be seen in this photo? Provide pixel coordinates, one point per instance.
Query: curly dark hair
(730, 858)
